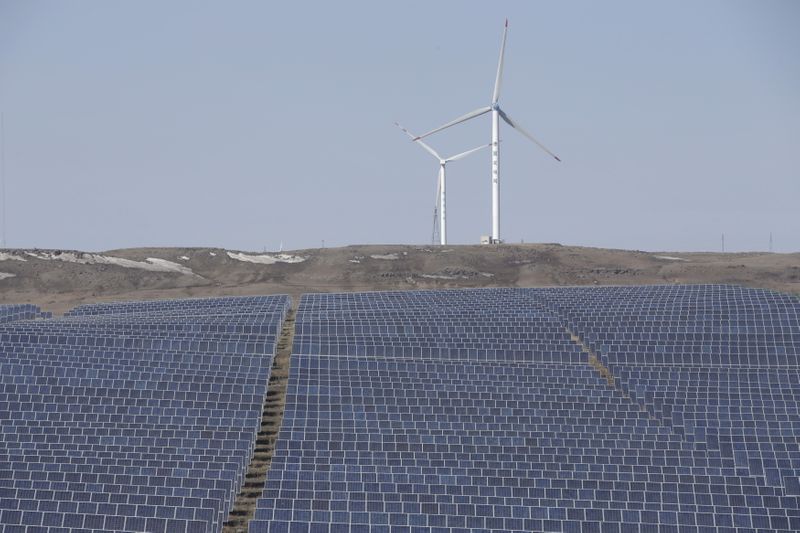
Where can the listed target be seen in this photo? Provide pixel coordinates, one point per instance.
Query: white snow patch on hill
(169, 266)
(153, 264)
(455, 276)
(5, 256)
(385, 257)
(183, 258)
(670, 258)
(4, 275)
(266, 259)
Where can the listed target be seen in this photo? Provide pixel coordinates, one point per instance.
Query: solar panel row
(469, 410)
(138, 416)
(474, 410)
(10, 313)
(725, 375)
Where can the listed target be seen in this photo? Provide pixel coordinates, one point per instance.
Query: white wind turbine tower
(442, 183)
(497, 114)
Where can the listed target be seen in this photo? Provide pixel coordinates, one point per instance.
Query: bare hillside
(57, 280)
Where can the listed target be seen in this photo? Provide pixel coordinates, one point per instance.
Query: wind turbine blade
(459, 120)
(465, 154)
(519, 128)
(497, 80)
(411, 135)
(422, 144)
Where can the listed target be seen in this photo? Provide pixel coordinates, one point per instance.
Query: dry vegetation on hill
(59, 280)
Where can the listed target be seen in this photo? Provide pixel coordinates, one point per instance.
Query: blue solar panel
(10, 313)
(475, 410)
(717, 364)
(138, 416)
(459, 410)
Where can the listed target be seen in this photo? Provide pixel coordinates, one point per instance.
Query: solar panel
(135, 416)
(456, 410)
(718, 364)
(475, 410)
(10, 313)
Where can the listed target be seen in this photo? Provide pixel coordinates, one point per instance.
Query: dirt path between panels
(244, 507)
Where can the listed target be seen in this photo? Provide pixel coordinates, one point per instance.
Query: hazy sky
(247, 124)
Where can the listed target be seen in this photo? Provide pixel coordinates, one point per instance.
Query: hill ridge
(57, 280)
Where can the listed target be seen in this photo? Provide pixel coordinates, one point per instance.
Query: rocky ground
(57, 280)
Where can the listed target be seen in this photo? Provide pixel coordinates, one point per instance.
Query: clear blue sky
(244, 124)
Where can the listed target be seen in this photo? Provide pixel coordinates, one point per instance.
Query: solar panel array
(717, 364)
(473, 410)
(137, 416)
(10, 313)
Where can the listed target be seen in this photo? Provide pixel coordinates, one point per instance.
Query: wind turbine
(442, 183)
(497, 114)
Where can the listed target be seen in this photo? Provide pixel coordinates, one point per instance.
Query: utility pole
(723, 243)
(770, 242)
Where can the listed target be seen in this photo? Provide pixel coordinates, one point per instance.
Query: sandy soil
(58, 285)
